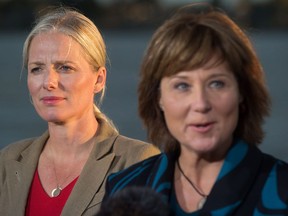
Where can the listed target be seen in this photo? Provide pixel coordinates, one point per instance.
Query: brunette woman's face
(201, 108)
(60, 80)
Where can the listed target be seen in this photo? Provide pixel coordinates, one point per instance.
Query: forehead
(204, 73)
(54, 44)
(216, 62)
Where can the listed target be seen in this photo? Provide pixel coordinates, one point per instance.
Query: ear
(100, 80)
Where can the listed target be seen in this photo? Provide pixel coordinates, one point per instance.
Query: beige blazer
(112, 152)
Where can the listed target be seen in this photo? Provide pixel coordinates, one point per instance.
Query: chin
(52, 118)
(205, 149)
(204, 145)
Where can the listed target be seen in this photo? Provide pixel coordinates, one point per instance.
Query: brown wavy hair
(187, 41)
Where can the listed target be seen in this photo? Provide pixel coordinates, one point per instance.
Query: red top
(40, 203)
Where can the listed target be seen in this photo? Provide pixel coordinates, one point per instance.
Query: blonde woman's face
(60, 80)
(201, 108)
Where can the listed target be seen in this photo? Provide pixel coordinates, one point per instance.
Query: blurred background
(127, 26)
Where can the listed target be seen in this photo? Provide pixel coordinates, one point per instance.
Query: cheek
(172, 104)
(32, 85)
(230, 110)
(173, 111)
(84, 89)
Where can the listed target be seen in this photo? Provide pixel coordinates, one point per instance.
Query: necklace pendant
(201, 203)
(56, 191)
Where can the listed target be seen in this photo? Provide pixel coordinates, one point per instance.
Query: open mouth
(202, 127)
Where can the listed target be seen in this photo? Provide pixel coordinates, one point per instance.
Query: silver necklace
(56, 191)
(204, 196)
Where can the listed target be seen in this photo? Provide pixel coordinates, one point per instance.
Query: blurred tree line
(18, 15)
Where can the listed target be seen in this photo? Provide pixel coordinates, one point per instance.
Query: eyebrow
(213, 75)
(36, 63)
(230, 74)
(63, 62)
(55, 62)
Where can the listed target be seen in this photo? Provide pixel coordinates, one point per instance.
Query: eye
(35, 70)
(217, 84)
(64, 68)
(182, 86)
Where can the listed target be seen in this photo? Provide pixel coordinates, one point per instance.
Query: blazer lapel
(85, 191)
(21, 172)
(19, 183)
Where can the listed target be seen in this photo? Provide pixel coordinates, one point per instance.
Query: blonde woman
(63, 171)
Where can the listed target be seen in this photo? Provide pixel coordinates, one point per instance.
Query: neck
(71, 139)
(201, 172)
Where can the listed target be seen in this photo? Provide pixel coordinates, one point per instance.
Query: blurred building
(19, 15)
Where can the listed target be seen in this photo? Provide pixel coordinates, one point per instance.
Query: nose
(200, 101)
(50, 81)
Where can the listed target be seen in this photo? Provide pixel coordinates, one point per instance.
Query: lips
(52, 100)
(203, 127)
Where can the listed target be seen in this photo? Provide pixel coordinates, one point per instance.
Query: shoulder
(133, 149)
(123, 141)
(276, 180)
(280, 171)
(136, 174)
(13, 150)
(142, 166)
(155, 172)
(29, 146)
(273, 167)
(282, 179)
(277, 164)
